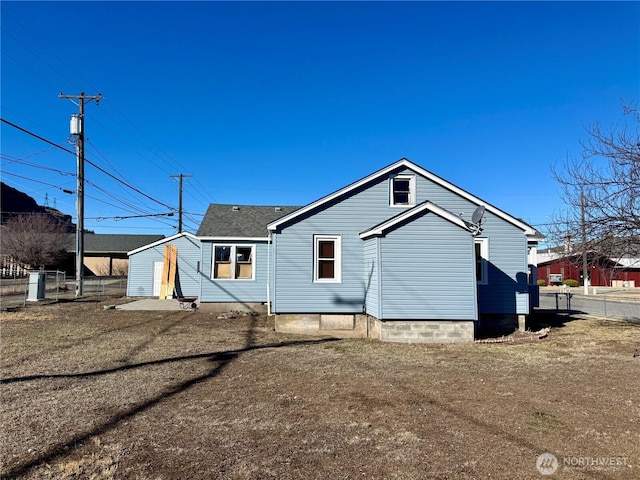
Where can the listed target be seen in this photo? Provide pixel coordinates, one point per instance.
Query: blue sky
(281, 103)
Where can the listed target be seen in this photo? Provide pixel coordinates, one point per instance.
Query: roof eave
(233, 239)
(163, 240)
(404, 162)
(381, 228)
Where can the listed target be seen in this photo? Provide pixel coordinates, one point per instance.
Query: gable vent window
(402, 190)
(233, 262)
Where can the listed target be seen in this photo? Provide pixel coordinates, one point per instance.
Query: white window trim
(484, 253)
(337, 268)
(412, 190)
(233, 262)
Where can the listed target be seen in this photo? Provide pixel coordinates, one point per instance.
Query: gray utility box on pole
(37, 284)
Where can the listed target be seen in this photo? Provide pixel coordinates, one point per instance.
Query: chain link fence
(57, 286)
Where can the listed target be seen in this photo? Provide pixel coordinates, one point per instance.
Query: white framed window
(481, 246)
(402, 190)
(233, 262)
(327, 258)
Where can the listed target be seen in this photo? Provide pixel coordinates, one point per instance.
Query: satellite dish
(478, 213)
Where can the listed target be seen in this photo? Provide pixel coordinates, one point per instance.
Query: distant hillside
(14, 202)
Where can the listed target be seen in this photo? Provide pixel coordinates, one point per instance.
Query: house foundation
(223, 307)
(425, 331)
(365, 326)
(500, 324)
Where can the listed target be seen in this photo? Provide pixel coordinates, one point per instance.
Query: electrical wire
(43, 167)
(28, 132)
(39, 181)
(143, 140)
(52, 61)
(30, 164)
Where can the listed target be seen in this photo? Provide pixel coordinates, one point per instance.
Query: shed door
(157, 277)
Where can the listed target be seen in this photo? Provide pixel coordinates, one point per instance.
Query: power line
(70, 75)
(89, 162)
(38, 181)
(11, 159)
(43, 167)
(35, 135)
(131, 206)
(43, 60)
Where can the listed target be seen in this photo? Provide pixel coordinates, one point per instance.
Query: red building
(603, 272)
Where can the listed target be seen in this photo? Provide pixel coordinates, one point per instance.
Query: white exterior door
(157, 277)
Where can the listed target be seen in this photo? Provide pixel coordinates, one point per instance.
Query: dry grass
(94, 393)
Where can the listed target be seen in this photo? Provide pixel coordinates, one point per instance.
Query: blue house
(400, 255)
(225, 264)
(396, 256)
(146, 266)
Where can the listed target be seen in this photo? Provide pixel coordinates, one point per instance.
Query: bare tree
(34, 239)
(601, 189)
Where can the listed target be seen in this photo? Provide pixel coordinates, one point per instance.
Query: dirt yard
(100, 394)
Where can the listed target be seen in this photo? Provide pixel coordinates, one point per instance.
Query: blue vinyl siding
(372, 276)
(507, 289)
(427, 271)
(235, 291)
(295, 292)
(140, 280)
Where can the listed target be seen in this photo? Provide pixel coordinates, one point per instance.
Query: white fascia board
(528, 230)
(233, 239)
(301, 211)
(163, 240)
(383, 227)
(447, 215)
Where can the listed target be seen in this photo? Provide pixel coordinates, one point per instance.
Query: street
(606, 302)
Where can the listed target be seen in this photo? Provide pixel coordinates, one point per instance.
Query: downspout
(200, 265)
(269, 276)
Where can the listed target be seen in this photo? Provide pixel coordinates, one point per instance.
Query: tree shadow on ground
(220, 361)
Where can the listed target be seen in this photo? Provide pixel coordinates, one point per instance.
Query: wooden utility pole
(181, 177)
(77, 130)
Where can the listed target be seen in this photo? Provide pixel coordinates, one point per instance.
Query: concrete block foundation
(425, 331)
(364, 326)
(222, 307)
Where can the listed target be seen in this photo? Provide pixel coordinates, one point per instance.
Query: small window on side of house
(402, 190)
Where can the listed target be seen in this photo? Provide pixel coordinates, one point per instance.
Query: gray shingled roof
(240, 220)
(112, 242)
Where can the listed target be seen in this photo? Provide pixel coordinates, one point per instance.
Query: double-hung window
(482, 260)
(327, 258)
(402, 190)
(233, 262)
